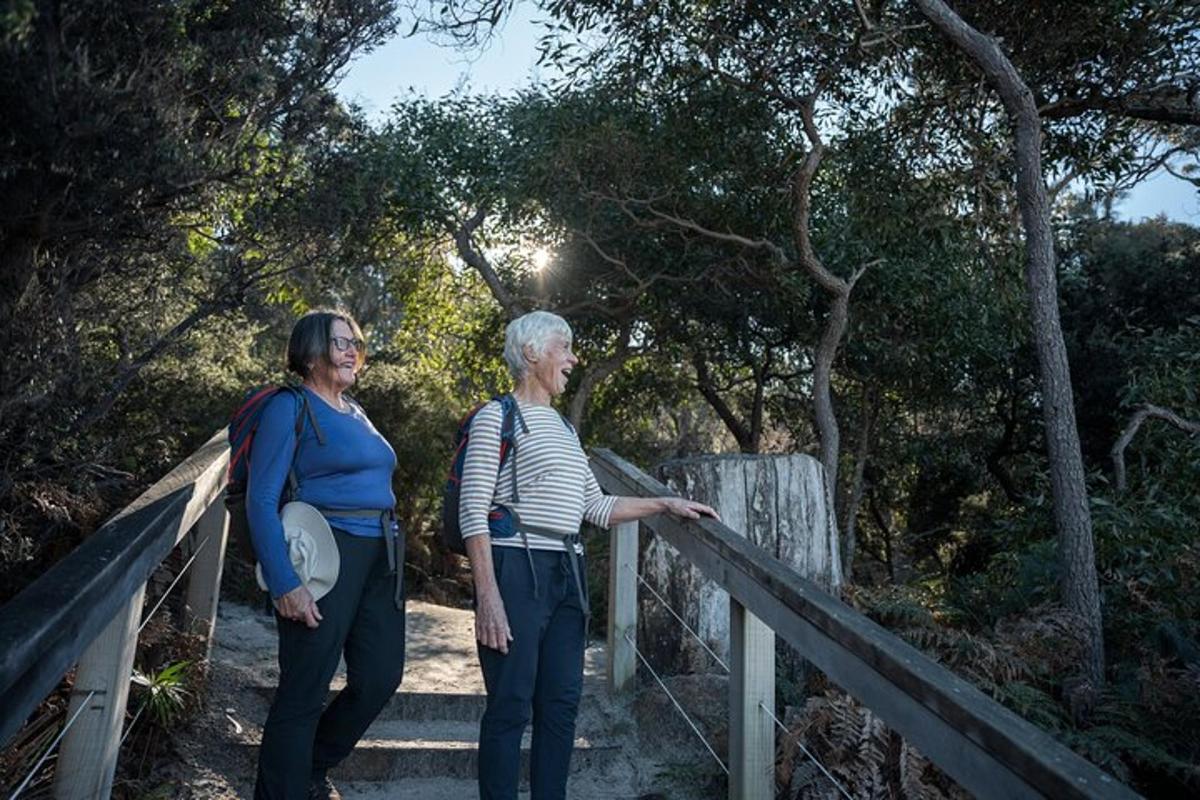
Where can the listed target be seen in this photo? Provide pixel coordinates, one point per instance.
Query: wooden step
(460, 707)
(398, 749)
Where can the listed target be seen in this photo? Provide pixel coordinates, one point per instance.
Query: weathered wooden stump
(777, 502)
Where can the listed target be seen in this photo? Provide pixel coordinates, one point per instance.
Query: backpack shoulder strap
(510, 417)
(305, 411)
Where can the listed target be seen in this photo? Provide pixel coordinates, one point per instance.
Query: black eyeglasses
(343, 343)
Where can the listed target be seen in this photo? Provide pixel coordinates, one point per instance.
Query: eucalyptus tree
(1113, 90)
(800, 60)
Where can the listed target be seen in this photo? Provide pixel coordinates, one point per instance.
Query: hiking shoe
(323, 789)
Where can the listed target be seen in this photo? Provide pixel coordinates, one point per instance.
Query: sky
(416, 64)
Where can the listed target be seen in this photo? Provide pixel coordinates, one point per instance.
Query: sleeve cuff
(600, 512)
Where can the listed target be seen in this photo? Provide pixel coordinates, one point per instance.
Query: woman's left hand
(688, 509)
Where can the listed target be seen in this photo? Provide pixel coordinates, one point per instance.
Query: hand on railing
(628, 509)
(299, 605)
(688, 509)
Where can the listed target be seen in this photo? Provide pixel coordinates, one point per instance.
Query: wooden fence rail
(989, 750)
(86, 611)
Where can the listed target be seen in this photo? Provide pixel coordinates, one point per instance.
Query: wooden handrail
(45, 629)
(988, 749)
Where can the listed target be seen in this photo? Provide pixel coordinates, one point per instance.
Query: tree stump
(778, 503)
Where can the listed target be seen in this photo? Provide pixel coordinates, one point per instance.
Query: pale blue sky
(419, 65)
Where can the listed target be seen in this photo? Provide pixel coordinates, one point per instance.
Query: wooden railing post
(622, 605)
(204, 583)
(88, 755)
(751, 729)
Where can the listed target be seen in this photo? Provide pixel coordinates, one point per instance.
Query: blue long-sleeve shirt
(352, 470)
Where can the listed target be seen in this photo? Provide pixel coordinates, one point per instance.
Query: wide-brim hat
(311, 547)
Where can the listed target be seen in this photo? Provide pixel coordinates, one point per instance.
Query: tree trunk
(853, 498)
(778, 503)
(594, 375)
(836, 287)
(1072, 516)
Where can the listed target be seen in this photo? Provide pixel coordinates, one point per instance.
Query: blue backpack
(452, 491)
(242, 427)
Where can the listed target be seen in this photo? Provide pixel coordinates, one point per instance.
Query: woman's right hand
(491, 621)
(299, 605)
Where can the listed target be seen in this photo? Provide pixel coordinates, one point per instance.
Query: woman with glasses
(341, 465)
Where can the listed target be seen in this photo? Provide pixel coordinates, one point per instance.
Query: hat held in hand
(311, 548)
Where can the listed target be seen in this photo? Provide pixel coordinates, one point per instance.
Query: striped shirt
(555, 483)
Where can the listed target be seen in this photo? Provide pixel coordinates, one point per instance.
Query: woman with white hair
(520, 526)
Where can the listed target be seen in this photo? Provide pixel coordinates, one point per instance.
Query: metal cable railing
(678, 618)
(662, 601)
(83, 705)
(807, 752)
(678, 707)
(29, 776)
(182, 571)
(132, 722)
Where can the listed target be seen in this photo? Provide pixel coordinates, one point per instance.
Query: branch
(1175, 105)
(802, 202)
(465, 243)
(130, 371)
(704, 383)
(691, 225)
(683, 222)
(1181, 176)
(1143, 413)
(598, 372)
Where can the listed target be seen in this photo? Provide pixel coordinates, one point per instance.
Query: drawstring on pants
(571, 541)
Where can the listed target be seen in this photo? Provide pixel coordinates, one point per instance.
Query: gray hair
(532, 330)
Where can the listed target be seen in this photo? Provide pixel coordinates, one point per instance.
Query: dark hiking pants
(302, 738)
(541, 677)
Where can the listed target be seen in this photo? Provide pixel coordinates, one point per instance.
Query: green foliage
(441, 360)
(164, 693)
(172, 173)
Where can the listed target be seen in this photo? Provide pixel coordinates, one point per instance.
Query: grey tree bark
(1072, 516)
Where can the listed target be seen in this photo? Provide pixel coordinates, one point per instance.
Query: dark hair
(309, 342)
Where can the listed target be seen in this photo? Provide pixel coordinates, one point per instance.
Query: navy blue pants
(302, 738)
(540, 679)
